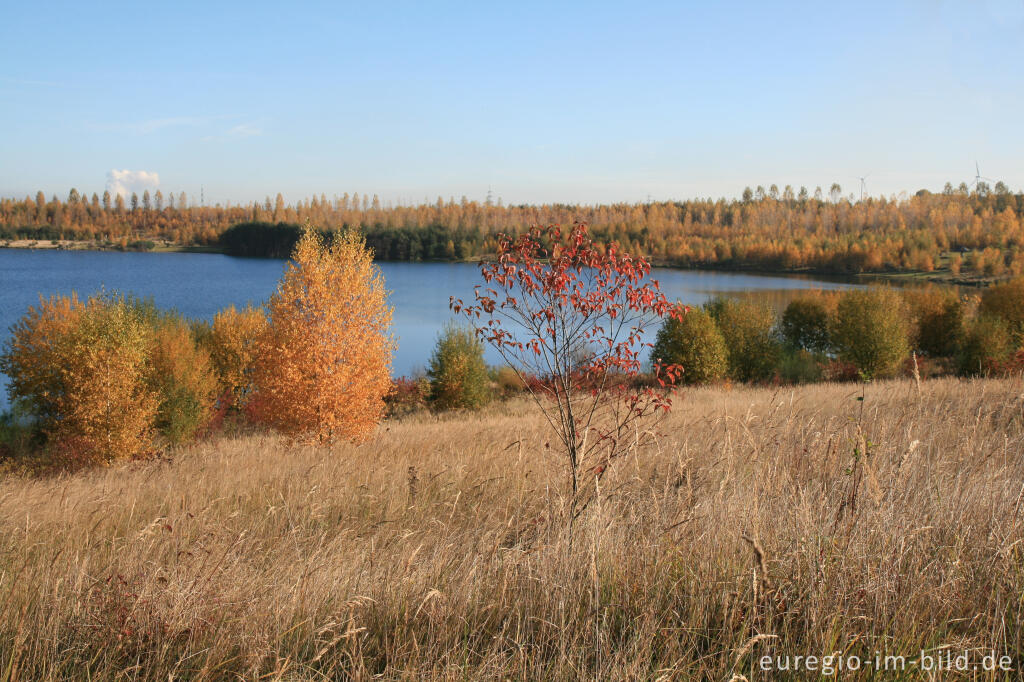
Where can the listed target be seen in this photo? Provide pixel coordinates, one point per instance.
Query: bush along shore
(168, 380)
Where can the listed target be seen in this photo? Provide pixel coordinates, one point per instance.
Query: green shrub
(799, 366)
(1006, 302)
(457, 371)
(748, 329)
(937, 317)
(805, 324)
(18, 434)
(180, 371)
(987, 346)
(870, 331)
(183, 378)
(693, 341)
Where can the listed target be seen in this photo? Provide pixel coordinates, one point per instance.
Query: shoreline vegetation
(141, 245)
(73, 362)
(961, 235)
(196, 374)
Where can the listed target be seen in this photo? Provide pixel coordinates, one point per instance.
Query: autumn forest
(964, 232)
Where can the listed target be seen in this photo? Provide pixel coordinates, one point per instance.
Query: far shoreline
(136, 246)
(903, 277)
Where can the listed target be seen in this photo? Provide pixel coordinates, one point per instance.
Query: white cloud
(124, 182)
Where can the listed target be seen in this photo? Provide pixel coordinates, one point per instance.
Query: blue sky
(573, 102)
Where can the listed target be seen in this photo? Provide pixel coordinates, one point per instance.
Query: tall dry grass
(436, 550)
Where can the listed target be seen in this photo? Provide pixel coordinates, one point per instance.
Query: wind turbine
(978, 177)
(862, 179)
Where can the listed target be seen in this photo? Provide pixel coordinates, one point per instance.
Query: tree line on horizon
(977, 231)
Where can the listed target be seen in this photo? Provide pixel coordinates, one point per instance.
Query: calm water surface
(198, 285)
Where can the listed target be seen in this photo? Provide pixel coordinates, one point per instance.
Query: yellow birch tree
(323, 366)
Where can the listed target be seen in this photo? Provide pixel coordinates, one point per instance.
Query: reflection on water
(198, 285)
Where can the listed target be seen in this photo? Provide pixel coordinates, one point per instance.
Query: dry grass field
(767, 522)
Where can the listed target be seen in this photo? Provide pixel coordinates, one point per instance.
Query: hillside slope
(435, 550)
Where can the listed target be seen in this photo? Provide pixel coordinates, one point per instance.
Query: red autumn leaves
(576, 313)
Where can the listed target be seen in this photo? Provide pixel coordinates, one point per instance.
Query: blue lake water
(198, 285)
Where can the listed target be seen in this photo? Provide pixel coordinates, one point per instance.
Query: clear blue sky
(573, 102)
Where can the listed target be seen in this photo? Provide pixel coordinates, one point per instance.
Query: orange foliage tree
(232, 342)
(33, 354)
(107, 409)
(82, 369)
(323, 366)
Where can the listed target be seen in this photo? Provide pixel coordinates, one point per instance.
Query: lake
(200, 284)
